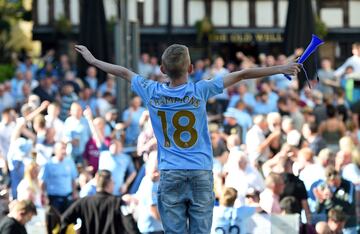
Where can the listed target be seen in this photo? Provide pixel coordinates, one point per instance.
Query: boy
(178, 114)
(228, 219)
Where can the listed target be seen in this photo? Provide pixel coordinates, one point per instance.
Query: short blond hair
(228, 197)
(273, 179)
(176, 60)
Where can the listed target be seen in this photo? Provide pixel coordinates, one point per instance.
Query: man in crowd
(21, 212)
(99, 213)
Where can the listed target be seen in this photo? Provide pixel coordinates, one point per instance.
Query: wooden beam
(156, 12)
(140, 12)
(67, 8)
(346, 13)
(186, 12)
(229, 2)
(51, 12)
(35, 12)
(208, 6)
(252, 9)
(276, 12)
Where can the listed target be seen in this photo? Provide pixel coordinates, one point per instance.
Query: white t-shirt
(351, 172)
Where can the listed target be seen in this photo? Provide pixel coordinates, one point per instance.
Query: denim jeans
(186, 201)
(16, 175)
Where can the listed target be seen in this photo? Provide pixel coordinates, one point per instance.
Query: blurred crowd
(279, 148)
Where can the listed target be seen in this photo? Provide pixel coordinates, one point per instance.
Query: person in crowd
(100, 213)
(105, 103)
(46, 89)
(295, 113)
(16, 86)
(6, 100)
(146, 199)
(239, 167)
(256, 144)
(53, 120)
(289, 206)
(76, 132)
(313, 140)
(274, 124)
(335, 223)
(108, 86)
(120, 165)
(29, 186)
(231, 125)
(7, 125)
(327, 78)
(337, 192)
(332, 129)
(68, 97)
(199, 71)
(353, 61)
(270, 197)
(57, 179)
(21, 213)
(131, 117)
(244, 95)
(88, 99)
(308, 169)
(91, 78)
(97, 143)
(227, 218)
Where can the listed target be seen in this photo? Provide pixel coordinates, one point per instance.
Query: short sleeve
(142, 87)
(209, 88)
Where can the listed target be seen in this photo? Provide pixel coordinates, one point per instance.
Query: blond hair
(175, 61)
(228, 197)
(273, 179)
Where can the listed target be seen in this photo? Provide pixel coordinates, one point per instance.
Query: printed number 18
(179, 129)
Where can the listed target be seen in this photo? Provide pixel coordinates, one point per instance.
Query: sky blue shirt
(248, 99)
(280, 82)
(119, 165)
(178, 116)
(58, 176)
(77, 129)
(227, 220)
(147, 197)
(133, 130)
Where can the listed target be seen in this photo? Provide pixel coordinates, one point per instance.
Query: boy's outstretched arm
(106, 67)
(252, 73)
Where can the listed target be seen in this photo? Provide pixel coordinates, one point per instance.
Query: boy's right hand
(85, 53)
(291, 69)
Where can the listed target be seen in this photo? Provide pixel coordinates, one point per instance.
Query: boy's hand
(85, 53)
(291, 69)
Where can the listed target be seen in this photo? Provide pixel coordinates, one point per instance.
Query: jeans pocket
(203, 192)
(169, 192)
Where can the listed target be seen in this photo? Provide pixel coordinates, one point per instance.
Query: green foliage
(6, 72)
(63, 25)
(11, 12)
(321, 29)
(204, 28)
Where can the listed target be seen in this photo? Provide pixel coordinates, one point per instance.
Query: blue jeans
(16, 175)
(186, 201)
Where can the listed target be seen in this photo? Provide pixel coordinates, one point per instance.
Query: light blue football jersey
(178, 116)
(229, 220)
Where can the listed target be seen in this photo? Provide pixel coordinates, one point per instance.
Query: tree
(11, 12)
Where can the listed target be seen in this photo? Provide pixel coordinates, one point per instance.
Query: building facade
(250, 25)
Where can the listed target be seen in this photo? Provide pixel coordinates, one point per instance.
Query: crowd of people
(278, 148)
